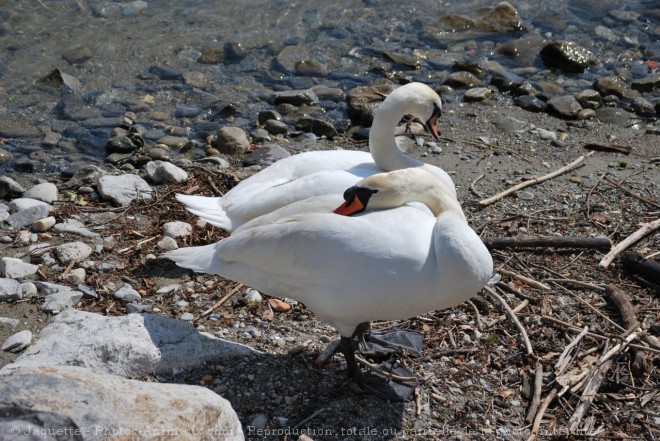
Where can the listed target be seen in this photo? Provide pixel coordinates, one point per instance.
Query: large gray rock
(45, 192)
(105, 406)
(163, 172)
(10, 289)
(28, 216)
(61, 301)
(128, 346)
(123, 189)
(232, 141)
(73, 251)
(13, 268)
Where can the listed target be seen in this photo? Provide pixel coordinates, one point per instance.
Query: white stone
(7, 321)
(13, 268)
(76, 276)
(163, 172)
(20, 204)
(58, 302)
(18, 341)
(129, 346)
(99, 403)
(127, 293)
(45, 192)
(10, 289)
(168, 289)
(44, 224)
(123, 189)
(252, 295)
(167, 244)
(29, 290)
(73, 251)
(73, 226)
(176, 229)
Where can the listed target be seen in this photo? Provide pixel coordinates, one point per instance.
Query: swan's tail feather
(208, 209)
(199, 259)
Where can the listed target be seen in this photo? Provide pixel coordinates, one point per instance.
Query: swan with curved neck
(315, 173)
(376, 257)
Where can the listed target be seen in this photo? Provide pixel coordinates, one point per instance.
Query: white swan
(378, 265)
(322, 172)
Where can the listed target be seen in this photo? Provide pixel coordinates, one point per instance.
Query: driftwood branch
(627, 242)
(539, 415)
(595, 379)
(635, 262)
(629, 319)
(513, 317)
(534, 181)
(608, 147)
(536, 399)
(547, 241)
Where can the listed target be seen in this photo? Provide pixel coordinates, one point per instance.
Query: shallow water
(347, 37)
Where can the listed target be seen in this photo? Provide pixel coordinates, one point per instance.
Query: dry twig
(627, 242)
(531, 282)
(543, 178)
(513, 317)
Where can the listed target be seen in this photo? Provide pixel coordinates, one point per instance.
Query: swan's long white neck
(382, 145)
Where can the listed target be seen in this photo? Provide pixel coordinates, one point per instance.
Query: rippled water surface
(346, 37)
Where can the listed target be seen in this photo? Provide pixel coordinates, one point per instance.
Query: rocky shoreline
(92, 322)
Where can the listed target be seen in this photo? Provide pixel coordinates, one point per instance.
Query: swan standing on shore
(315, 173)
(393, 263)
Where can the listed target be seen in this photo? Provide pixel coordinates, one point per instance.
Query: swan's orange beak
(432, 127)
(348, 208)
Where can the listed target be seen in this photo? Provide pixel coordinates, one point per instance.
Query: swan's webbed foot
(385, 342)
(378, 385)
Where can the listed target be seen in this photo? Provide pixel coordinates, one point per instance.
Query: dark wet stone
(175, 139)
(120, 144)
(223, 109)
(93, 123)
(12, 128)
(614, 115)
(506, 80)
(5, 155)
(565, 106)
(234, 52)
(647, 84)
(501, 18)
(611, 86)
(9, 188)
(310, 68)
(363, 100)
(306, 138)
(77, 54)
(316, 126)
(471, 66)
(295, 97)
(526, 88)
(266, 155)
(461, 79)
(455, 22)
(477, 94)
(232, 140)
(73, 108)
(567, 56)
(325, 93)
(260, 135)
(550, 89)
(212, 55)
(530, 103)
(524, 50)
(403, 59)
(59, 80)
(265, 115)
(25, 164)
(623, 16)
(187, 111)
(290, 55)
(643, 107)
(166, 73)
(276, 127)
(589, 99)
